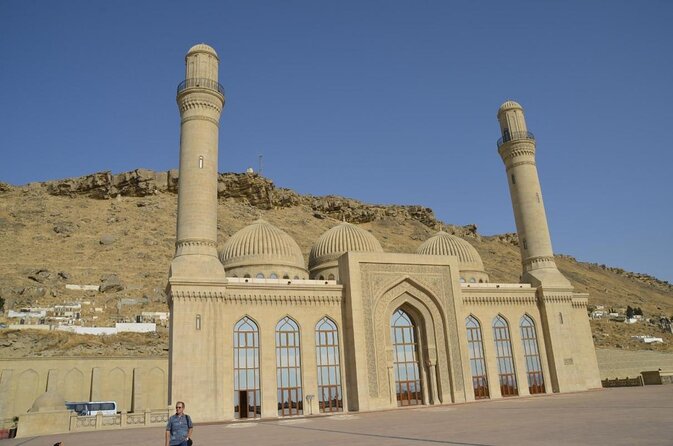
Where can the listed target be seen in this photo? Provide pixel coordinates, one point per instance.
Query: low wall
(55, 422)
(615, 363)
(136, 384)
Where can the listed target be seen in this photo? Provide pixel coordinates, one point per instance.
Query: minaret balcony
(513, 136)
(198, 82)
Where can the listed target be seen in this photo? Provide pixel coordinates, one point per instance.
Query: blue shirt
(178, 426)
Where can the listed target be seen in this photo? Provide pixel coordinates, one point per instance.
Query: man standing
(179, 427)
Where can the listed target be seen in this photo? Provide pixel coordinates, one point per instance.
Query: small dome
(342, 238)
(50, 400)
(443, 244)
(509, 105)
(202, 48)
(261, 244)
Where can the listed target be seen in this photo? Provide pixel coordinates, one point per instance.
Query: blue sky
(382, 101)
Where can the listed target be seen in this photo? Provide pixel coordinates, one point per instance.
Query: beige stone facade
(258, 334)
(135, 384)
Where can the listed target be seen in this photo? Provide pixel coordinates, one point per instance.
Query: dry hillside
(118, 230)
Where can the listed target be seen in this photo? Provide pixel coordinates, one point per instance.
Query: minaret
(200, 100)
(517, 149)
(563, 319)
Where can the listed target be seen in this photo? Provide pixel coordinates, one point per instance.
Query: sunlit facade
(259, 331)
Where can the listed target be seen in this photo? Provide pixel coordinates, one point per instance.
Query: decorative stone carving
(538, 262)
(500, 300)
(430, 287)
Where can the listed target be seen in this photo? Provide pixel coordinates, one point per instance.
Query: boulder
(41, 275)
(65, 228)
(107, 239)
(110, 284)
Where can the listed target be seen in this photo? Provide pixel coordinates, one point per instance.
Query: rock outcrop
(248, 188)
(104, 185)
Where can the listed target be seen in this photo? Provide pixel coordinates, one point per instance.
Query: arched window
(296, 278)
(531, 355)
(472, 280)
(288, 368)
(407, 377)
(273, 276)
(286, 276)
(475, 346)
(247, 276)
(329, 373)
(503, 352)
(260, 275)
(247, 399)
(462, 280)
(330, 277)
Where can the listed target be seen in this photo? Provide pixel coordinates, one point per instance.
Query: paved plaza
(623, 416)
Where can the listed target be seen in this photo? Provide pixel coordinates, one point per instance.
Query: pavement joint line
(240, 426)
(390, 437)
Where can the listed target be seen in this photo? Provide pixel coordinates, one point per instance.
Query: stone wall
(615, 363)
(136, 384)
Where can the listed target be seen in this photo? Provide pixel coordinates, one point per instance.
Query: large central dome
(262, 250)
(345, 237)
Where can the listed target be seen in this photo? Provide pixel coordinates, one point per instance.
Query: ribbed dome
(509, 105)
(443, 244)
(342, 238)
(202, 48)
(261, 244)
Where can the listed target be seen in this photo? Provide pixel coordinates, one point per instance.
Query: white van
(93, 407)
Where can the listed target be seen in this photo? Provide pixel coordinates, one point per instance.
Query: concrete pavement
(622, 416)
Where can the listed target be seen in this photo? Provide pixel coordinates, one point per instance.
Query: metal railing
(199, 82)
(514, 136)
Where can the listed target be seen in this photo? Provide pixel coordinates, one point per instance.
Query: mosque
(258, 333)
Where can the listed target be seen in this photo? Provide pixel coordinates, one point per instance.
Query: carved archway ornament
(433, 331)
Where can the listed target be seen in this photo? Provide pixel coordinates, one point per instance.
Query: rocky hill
(118, 231)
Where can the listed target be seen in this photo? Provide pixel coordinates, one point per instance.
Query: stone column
(432, 367)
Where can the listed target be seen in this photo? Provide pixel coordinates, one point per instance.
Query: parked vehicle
(93, 407)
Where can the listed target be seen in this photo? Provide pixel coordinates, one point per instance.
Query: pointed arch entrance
(430, 325)
(403, 334)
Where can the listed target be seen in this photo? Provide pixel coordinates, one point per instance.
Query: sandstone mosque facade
(257, 333)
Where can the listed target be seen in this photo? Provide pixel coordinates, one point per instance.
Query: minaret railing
(199, 82)
(515, 135)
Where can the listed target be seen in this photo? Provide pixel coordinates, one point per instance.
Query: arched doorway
(405, 359)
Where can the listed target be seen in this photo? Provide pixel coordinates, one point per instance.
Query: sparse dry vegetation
(49, 241)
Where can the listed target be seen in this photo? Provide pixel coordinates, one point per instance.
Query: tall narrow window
(329, 374)
(407, 378)
(513, 179)
(200, 162)
(532, 356)
(288, 368)
(475, 347)
(247, 398)
(503, 351)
